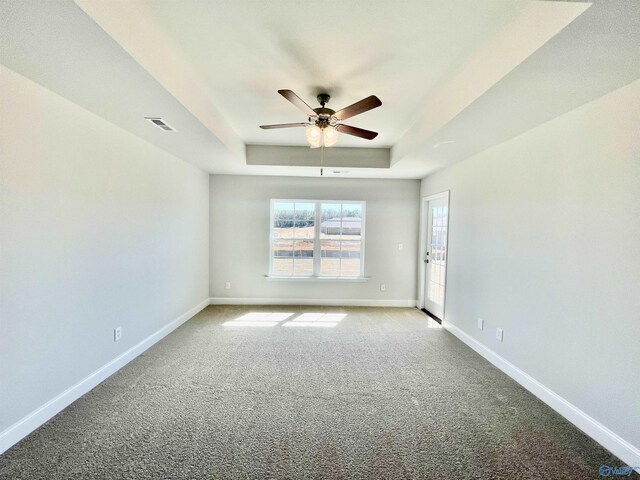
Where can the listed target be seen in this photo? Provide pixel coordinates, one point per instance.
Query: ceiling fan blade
(357, 108)
(283, 125)
(298, 102)
(357, 132)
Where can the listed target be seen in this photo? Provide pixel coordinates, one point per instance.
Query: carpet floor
(302, 392)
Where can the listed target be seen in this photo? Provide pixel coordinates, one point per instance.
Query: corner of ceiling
(127, 24)
(537, 23)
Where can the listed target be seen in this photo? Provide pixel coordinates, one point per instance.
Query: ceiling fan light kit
(321, 137)
(329, 136)
(314, 136)
(324, 124)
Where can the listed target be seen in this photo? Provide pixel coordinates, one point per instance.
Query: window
(311, 238)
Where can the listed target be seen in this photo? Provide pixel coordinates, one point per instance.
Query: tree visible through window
(317, 238)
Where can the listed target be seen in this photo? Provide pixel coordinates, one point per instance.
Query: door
(435, 255)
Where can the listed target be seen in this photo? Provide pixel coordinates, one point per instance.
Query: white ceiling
(475, 73)
(246, 50)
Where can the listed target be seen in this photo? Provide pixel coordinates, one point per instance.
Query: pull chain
(321, 158)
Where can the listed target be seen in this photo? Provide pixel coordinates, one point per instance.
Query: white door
(435, 255)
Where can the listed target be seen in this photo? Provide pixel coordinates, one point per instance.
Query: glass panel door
(436, 256)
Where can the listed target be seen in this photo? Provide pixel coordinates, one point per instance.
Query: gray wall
(240, 237)
(544, 243)
(99, 229)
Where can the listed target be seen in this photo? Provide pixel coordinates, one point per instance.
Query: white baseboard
(333, 302)
(601, 434)
(38, 417)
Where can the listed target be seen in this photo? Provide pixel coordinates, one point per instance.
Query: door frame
(422, 271)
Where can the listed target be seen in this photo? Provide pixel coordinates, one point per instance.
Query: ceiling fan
(324, 123)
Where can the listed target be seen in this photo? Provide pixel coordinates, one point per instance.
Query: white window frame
(317, 244)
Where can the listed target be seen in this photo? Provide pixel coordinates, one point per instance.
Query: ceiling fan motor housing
(323, 118)
(323, 114)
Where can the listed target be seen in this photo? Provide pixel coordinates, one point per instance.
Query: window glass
(303, 258)
(317, 238)
(282, 257)
(283, 220)
(350, 259)
(304, 220)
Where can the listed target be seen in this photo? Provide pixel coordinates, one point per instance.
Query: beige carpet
(307, 393)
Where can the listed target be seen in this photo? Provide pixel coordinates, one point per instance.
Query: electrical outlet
(499, 334)
(383, 287)
(117, 334)
(227, 285)
(480, 324)
(400, 247)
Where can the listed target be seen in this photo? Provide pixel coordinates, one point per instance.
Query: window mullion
(317, 250)
(293, 243)
(340, 243)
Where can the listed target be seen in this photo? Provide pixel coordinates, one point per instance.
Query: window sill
(316, 279)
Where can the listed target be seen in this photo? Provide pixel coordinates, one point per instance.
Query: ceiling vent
(160, 123)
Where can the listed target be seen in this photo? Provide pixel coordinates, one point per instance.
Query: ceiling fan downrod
(323, 99)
